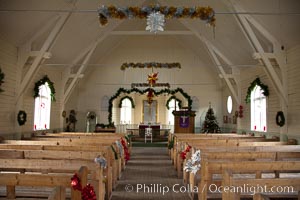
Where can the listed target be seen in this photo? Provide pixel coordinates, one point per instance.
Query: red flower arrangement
(183, 153)
(87, 193)
(127, 155)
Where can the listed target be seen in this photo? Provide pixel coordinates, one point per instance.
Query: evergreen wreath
(2, 75)
(254, 83)
(130, 99)
(280, 119)
(42, 81)
(22, 116)
(176, 99)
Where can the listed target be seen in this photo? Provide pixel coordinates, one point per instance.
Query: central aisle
(148, 174)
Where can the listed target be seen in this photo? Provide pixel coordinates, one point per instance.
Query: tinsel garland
(183, 153)
(41, 82)
(254, 83)
(193, 164)
(136, 90)
(129, 98)
(176, 99)
(204, 13)
(125, 147)
(87, 193)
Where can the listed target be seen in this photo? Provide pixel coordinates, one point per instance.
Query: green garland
(2, 75)
(174, 97)
(136, 90)
(252, 86)
(44, 80)
(171, 144)
(22, 116)
(130, 99)
(280, 119)
(150, 65)
(115, 153)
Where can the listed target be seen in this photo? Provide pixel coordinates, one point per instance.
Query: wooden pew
(44, 178)
(213, 165)
(262, 185)
(218, 142)
(216, 153)
(69, 153)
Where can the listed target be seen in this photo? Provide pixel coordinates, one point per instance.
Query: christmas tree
(210, 124)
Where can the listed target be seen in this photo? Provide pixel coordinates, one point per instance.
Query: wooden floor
(147, 175)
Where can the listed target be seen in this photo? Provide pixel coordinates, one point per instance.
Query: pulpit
(184, 121)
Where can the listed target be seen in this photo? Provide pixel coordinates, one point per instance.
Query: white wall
(195, 77)
(8, 64)
(8, 99)
(293, 73)
(273, 104)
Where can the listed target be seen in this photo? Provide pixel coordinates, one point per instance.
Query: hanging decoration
(152, 78)
(41, 82)
(183, 153)
(151, 65)
(206, 14)
(136, 90)
(126, 151)
(241, 111)
(264, 88)
(193, 164)
(171, 143)
(129, 98)
(134, 85)
(22, 116)
(176, 99)
(280, 119)
(2, 75)
(115, 153)
(101, 161)
(155, 22)
(87, 193)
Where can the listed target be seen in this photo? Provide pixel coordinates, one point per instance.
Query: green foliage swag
(136, 90)
(176, 99)
(252, 86)
(130, 99)
(44, 80)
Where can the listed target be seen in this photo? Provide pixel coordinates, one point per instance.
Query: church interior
(149, 99)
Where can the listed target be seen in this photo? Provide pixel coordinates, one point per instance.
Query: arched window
(258, 110)
(126, 111)
(42, 108)
(173, 105)
(229, 104)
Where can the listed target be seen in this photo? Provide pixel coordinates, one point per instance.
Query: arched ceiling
(21, 20)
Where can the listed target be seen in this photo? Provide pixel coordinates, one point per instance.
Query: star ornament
(155, 22)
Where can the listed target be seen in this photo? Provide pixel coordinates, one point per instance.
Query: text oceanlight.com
(212, 188)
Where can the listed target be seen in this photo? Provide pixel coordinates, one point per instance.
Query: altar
(155, 130)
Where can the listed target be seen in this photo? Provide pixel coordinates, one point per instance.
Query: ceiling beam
(279, 84)
(214, 53)
(86, 55)
(36, 63)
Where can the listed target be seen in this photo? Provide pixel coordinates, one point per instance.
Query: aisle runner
(149, 175)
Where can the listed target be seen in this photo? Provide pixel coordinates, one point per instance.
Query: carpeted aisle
(149, 175)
